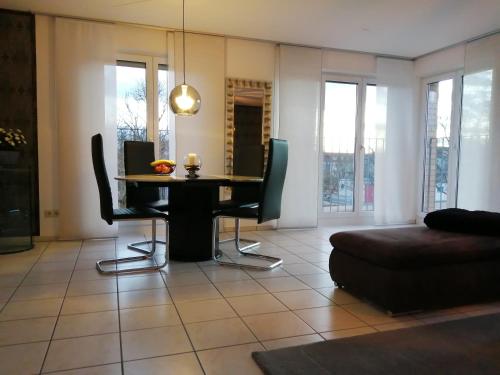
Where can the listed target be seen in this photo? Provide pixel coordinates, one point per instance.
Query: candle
(192, 159)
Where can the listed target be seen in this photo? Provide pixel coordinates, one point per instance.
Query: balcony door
(348, 142)
(442, 129)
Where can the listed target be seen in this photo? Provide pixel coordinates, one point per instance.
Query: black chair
(136, 156)
(109, 214)
(247, 196)
(268, 207)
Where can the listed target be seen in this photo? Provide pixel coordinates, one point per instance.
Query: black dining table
(191, 204)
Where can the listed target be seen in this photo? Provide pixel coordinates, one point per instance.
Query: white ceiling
(406, 28)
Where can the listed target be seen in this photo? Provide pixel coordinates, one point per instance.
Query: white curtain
(479, 171)
(396, 159)
(85, 105)
(299, 104)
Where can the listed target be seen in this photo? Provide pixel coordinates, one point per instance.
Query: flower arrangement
(12, 137)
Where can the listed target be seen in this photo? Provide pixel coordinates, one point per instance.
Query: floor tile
(143, 298)
(302, 269)
(185, 278)
(11, 280)
(38, 278)
(217, 333)
(256, 304)
(31, 309)
(329, 318)
(86, 324)
(154, 342)
(231, 360)
(140, 282)
(219, 274)
(292, 341)
(322, 280)
(339, 296)
(89, 274)
(347, 333)
(240, 288)
(31, 292)
(6, 292)
(92, 303)
(112, 369)
(277, 325)
(178, 364)
(149, 317)
(83, 351)
(54, 266)
(22, 359)
(282, 284)
(194, 293)
(83, 288)
(372, 315)
(26, 330)
(268, 274)
(302, 299)
(200, 311)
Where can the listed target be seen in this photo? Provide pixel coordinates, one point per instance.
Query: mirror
(248, 126)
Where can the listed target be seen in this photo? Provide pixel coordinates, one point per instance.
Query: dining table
(191, 203)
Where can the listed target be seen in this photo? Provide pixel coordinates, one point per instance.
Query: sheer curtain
(479, 170)
(396, 159)
(85, 105)
(299, 106)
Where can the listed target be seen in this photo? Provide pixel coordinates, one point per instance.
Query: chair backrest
(274, 179)
(253, 166)
(105, 196)
(137, 156)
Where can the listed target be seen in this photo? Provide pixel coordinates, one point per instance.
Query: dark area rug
(466, 346)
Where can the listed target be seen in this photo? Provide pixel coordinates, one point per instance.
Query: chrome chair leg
(137, 246)
(217, 253)
(149, 255)
(237, 240)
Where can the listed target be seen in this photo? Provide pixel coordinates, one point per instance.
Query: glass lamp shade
(185, 100)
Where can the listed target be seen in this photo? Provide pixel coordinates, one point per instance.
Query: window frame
(152, 106)
(455, 123)
(357, 215)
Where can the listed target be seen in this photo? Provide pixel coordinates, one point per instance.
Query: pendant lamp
(184, 100)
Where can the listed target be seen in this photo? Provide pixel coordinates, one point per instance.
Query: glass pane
(339, 131)
(163, 111)
(131, 111)
(439, 106)
(371, 144)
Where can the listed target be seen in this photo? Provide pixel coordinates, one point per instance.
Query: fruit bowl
(163, 167)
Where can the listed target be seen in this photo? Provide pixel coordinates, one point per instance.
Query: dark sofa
(416, 268)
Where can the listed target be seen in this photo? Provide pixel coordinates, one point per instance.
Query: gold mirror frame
(231, 85)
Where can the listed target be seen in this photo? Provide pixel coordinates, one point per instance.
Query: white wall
(250, 59)
(348, 63)
(443, 61)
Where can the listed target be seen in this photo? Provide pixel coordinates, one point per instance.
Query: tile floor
(58, 315)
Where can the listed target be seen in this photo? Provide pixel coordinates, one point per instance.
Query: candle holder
(192, 164)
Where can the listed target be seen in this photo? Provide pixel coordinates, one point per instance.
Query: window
(142, 108)
(441, 141)
(349, 142)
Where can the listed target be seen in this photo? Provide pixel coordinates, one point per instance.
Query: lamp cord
(183, 42)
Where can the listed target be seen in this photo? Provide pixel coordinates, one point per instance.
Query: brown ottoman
(415, 268)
